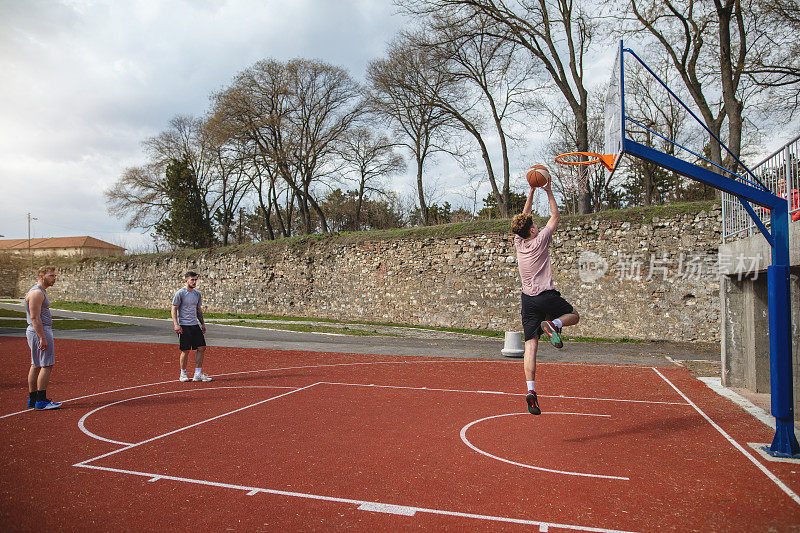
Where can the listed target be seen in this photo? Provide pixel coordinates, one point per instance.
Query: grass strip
(111, 309)
(159, 313)
(11, 313)
(63, 324)
(310, 328)
(242, 317)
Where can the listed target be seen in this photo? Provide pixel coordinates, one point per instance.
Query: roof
(56, 242)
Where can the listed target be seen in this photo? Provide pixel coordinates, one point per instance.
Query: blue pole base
(785, 443)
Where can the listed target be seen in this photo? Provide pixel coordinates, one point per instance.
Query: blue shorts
(41, 358)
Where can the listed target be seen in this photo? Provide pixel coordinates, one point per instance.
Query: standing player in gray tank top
(40, 340)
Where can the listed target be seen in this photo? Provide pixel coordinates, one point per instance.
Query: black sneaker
(553, 332)
(533, 403)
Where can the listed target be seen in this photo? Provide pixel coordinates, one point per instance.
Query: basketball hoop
(576, 165)
(586, 159)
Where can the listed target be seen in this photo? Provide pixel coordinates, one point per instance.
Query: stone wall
(640, 273)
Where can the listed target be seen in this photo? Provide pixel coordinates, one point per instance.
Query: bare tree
(256, 108)
(184, 140)
(488, 80)
(140, 195)
(140, 192)
(228, 159)
(371, 158)
(293, 116)
(664, 125)
(776, 64)
(710, 44)
(326, 103)
(556, 34)
(400, 86)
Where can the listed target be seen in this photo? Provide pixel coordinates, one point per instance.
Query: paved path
(410, 341)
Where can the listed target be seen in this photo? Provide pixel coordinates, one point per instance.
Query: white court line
(760, 414)
(567, 472)
(497, 392)
(329, 366)
(789, 492)
(83, 463)
(82, 426)
(252, 372)
(362, 504)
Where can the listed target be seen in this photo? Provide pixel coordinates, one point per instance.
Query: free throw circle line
(551, 470)
(82, 426)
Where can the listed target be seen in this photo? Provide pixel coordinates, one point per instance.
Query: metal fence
(780, 172)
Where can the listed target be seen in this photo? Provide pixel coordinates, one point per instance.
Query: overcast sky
(84, 82)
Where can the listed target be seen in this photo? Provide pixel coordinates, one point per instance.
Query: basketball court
(305, 440)
(302, 440)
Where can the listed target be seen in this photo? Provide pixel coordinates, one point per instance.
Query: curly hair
(522, 224)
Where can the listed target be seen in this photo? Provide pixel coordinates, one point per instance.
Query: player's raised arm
(553, 222)
(528, 203)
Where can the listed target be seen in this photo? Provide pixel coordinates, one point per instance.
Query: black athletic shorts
(191, 338)
(546, 305)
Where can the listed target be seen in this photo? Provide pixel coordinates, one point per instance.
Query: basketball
(538, 176)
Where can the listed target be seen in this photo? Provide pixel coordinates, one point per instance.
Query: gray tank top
(47, 319)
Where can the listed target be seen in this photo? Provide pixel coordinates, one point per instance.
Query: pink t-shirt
(533, 259)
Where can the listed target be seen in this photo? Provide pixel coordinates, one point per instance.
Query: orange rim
(606, 160)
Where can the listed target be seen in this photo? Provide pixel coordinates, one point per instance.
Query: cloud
(86, 81)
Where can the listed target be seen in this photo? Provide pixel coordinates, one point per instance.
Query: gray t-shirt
(187, 302)
(44, 314)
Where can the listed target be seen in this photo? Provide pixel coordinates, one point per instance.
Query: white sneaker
(201, 377)
(184, 377)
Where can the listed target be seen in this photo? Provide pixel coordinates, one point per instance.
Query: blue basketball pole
(780, 341)
(747, 190)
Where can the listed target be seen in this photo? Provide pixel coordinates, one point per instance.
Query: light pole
(30, 255)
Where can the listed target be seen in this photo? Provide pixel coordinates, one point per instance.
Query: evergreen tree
(186, 224)
(516, 203)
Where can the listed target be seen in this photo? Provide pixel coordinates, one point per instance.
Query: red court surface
(285, 440)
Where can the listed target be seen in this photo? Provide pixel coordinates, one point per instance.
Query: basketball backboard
(615, 111)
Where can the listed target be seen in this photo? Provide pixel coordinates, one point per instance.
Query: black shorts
(546, 305)
(191, 338)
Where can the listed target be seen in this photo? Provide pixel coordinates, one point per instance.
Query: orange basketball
(538, 176)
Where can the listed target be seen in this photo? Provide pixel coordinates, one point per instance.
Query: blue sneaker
(46, 404)
(31, 403)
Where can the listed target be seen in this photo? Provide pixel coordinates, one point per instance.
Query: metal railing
(780, 172)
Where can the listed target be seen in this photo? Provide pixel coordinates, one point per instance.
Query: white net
(573, 173)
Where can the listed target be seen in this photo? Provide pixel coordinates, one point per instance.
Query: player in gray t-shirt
(188, 323)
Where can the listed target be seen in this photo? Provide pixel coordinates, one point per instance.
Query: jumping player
(40, 340)
(543, 308)
(188, 323)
